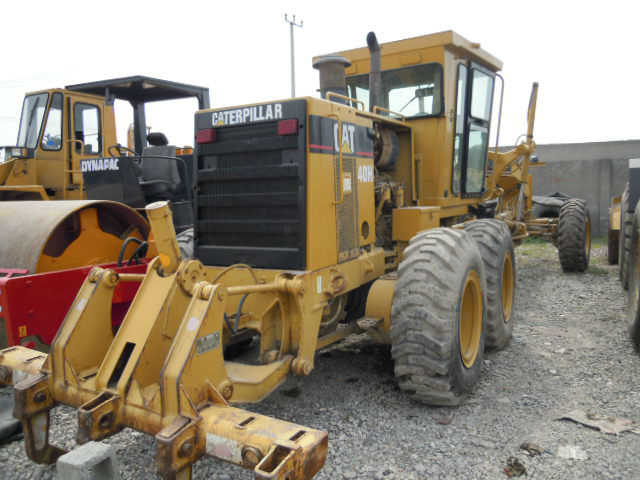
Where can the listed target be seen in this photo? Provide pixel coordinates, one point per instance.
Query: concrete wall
(593, 171)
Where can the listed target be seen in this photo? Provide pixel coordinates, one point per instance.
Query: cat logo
(348, 142)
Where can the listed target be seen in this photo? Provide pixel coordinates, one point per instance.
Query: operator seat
(160, 176)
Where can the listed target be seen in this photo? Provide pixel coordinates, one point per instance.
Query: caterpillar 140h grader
(369, 208)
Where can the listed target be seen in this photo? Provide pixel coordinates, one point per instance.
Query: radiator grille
(251, 197)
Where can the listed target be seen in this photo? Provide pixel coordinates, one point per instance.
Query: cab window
(52, 137)
(411, 91)
(33, 110)
(87, 129)
(482, 95)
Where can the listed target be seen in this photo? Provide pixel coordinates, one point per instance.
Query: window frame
(46, 123)
(478, 123)
(100, 139)
(39, 135)
(461, 151)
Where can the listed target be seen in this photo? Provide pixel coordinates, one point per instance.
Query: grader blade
(162, 373)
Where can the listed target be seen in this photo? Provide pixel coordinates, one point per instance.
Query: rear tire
(439, 317)
(624, 240)
(185, 242)
(633, 294)
(496, 248)
(574, 236)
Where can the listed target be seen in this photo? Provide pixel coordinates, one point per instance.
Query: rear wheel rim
(507, 287)
(470, 319)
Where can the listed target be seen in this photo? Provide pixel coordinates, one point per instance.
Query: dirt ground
(570, 350)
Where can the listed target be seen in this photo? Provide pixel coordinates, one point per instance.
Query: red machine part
(34, 306)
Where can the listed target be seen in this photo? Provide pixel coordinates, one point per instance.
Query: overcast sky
(584, 54)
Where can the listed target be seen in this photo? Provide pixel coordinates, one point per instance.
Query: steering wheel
(120, 149)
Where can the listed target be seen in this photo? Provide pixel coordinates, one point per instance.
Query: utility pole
(292, 23)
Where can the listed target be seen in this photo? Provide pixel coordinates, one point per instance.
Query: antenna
(292, 23)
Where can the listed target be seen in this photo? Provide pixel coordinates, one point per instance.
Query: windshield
(31, 119)
(412, 91)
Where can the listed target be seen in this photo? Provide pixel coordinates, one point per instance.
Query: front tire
(574, 236)
(496, 248)
(624, 239)
(186, 243)
(633, 294)
(439, 317)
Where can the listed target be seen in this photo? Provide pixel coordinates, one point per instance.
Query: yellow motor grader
(367, 209)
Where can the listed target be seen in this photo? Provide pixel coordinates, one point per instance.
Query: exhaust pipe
(375, 78)
(332, 75)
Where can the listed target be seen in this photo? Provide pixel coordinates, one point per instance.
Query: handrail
(378, 109)
(344, 97)
(64, 172)
(341, 182)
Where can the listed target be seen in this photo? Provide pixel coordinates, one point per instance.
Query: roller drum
(45, 236)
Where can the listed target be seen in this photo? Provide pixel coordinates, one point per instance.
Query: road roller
(67, 150)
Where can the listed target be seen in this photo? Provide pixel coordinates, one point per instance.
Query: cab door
(471, 140)
(85, 126)
(52, 149)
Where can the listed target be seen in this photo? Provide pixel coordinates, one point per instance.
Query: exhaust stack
(332, 75)
(375, 79)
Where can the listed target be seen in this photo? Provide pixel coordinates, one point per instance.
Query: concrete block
(91, 461)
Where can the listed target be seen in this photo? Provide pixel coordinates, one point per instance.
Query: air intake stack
(332, 75)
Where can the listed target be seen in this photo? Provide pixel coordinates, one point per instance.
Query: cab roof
(449, 40)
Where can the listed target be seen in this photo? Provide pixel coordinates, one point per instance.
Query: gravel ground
(570, 350)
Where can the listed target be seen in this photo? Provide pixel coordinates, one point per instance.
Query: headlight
(16, 152)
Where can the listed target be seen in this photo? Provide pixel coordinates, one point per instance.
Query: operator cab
(443, 86)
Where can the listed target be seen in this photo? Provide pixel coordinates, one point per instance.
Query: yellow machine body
(356, 187)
